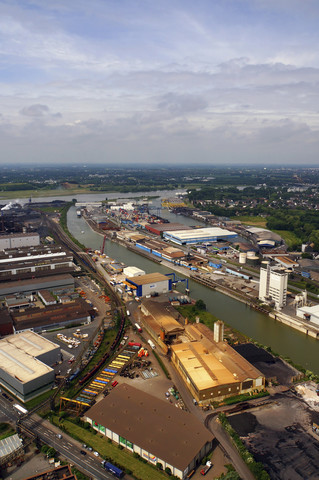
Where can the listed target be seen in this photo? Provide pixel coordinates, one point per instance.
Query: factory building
(213, 370)
(152, 428)
(273, 285)
(263, 237)
(16, 240)
(160, 322)
(6, 324)
(25, 361)
(150, 284)
(24, 263)
(57, 283)
(199, 235)
(53, 316)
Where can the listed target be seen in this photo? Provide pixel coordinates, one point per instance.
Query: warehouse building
(16, 240)
(133, 272)
(25, 361)
(150, 284)
(199, 235)
(213, 370)
(56, 283)
(311, 314)
(152, 428)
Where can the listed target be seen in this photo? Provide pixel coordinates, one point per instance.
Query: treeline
(304, 224)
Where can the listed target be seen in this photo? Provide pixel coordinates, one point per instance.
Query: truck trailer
(117, 472)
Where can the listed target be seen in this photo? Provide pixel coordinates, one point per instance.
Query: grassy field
(289, 237)
(61, 192)
(106, 449)
(255, 221)
(6, 430)
(39, 399)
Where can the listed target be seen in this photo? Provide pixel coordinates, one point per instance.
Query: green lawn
(6, 430)
(289, 237)
(255, 221)
(39, 399)
(106, 449)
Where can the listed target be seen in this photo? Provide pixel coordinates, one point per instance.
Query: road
(67, 447)
(212, 424)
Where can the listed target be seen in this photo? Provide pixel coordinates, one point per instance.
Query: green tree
(200, 304)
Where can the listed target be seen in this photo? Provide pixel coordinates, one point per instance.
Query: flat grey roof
(18, 355)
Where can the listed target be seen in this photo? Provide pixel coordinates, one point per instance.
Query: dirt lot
(33, 464)
(279, 437)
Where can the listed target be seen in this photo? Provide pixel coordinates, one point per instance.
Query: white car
(96, 454)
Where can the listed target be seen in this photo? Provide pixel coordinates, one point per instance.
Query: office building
(273, 285)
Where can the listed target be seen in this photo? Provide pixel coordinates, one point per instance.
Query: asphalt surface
(67, 447)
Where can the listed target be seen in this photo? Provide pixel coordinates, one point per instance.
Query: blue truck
(117, 472)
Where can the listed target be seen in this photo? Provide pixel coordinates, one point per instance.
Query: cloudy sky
(166, 81)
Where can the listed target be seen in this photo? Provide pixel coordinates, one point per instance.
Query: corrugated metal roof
(148, 278)
(9, 445)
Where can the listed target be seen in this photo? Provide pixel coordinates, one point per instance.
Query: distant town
(109, 369)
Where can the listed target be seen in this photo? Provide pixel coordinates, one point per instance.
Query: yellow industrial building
(213, 370)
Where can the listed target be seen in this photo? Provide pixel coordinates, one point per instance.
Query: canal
(282, 339)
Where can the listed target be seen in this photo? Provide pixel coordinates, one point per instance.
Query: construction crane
(103, 245)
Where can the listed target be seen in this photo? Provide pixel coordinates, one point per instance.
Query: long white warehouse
(199, 235)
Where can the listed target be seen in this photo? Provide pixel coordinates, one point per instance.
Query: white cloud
(222, 77)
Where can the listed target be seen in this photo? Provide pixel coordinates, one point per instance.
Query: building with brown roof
(52, 316)
(213, 370)
(153, 428)
(159, 320)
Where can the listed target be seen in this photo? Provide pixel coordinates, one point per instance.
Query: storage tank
(242, 257)
(251, 254)
(253, 260)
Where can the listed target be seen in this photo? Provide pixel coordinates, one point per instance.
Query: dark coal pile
(243, 424)
(277, 436)
(271, 367)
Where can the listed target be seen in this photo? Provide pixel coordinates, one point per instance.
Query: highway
(66, 446)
